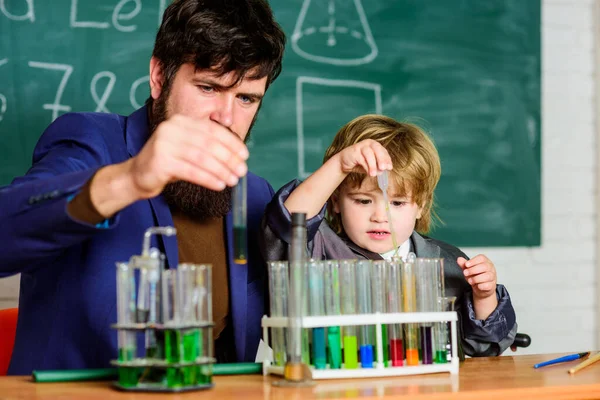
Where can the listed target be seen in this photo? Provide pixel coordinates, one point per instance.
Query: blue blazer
(68, 283)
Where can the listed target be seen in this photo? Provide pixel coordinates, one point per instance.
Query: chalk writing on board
(336, 33)
(342, 88)
(67, 71)
(133, 90)
(101, 101)
(29, 15)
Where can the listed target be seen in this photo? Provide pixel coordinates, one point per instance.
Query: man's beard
(193, 200)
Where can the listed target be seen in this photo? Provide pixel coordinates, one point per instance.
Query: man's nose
(223, 112)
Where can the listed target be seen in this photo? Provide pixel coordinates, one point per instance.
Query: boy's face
(364, 218)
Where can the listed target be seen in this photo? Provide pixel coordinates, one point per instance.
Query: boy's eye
(398, 203)
(362, 201)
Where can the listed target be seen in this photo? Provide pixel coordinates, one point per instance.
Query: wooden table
(479, 378)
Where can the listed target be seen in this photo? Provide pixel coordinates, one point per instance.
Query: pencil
(589, 361)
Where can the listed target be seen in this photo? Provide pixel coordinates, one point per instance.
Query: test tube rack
(170, 311)
(378, 320)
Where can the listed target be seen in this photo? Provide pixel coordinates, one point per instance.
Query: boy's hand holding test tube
(480, 273)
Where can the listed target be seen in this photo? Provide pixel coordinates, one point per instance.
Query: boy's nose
(379, 214)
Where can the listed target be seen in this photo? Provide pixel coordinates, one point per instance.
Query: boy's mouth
(378, 234)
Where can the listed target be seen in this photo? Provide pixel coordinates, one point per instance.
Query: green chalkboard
(466, 70)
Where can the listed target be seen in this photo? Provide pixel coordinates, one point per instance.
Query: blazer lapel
(424, 248)
(238, 294)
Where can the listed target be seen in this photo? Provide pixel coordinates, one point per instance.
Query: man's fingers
(189, 172)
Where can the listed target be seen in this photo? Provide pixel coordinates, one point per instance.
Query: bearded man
(98, 181)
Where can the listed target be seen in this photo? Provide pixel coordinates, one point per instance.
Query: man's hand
(201, 152)
(181, 148)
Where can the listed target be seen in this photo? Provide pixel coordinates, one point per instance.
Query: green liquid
(384, 339)
(239, 245)
(334, 347)
(128, 376)
(305, 347)
(440, 357)
(350, 352)
(184, 346)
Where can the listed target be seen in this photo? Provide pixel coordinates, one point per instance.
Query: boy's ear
(420, 212)
(336, 204)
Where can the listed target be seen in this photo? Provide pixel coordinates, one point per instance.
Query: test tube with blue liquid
(239, 209)
(348, 303)
(278, 290)
(363, 294)
(332, 307)
(317, 308)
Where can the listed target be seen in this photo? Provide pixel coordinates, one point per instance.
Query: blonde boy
(357, 225)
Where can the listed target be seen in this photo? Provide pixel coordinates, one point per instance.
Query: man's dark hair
(239, 36)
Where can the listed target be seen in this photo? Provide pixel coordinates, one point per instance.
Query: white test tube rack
(378, 320)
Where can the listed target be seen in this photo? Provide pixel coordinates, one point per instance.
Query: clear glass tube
(278, 291)
(126, 310)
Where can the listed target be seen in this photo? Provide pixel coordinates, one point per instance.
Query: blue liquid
(319, 352)
(366, 356)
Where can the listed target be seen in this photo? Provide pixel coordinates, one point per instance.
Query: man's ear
(157, 78)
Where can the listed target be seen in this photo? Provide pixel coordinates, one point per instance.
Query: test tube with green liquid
(379, 292)
(317, 308)
(278, 291)
(239, 210)
(409, 301)
(332, 307)
(126, 310)
(348, 303)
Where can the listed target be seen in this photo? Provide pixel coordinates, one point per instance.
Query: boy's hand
(367, 155)
(480, 273)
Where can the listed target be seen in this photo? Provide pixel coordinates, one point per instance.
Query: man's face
(203, 95)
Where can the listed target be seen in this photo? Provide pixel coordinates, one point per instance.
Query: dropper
(383, 183)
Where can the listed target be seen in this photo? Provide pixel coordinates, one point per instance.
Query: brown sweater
(204, 243)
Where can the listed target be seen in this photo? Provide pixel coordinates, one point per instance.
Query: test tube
(363, 295)
(126, 310)
(427, 301)
(440, 328)
(317, 308)
(443, 349)
(410, 305)
(239, 208)
(348, 303)
(202, 300)
(332, 307)
(297, 300)
(278, 290)
(394, 298)
(379, 292)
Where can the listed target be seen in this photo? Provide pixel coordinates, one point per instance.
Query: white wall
(553, 287)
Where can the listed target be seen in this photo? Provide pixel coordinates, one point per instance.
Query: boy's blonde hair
(416, 163)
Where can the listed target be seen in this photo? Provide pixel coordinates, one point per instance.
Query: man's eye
(206, 89)
(246, 99)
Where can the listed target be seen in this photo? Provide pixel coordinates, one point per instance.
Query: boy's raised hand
(365, 156)
(480, 273)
